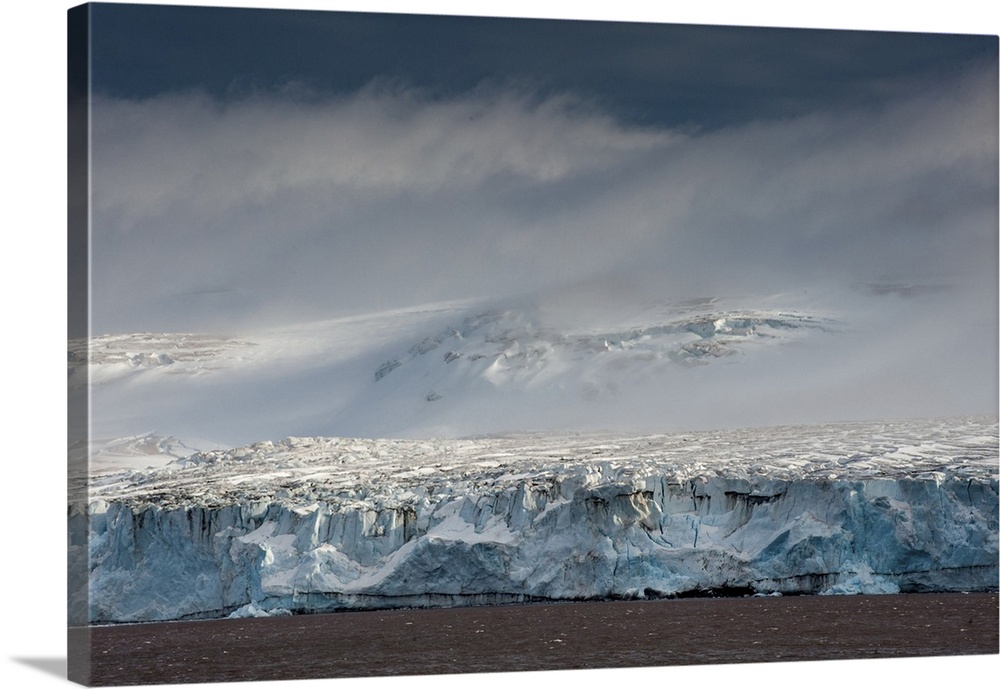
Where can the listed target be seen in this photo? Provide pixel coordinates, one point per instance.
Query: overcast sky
(254, 167)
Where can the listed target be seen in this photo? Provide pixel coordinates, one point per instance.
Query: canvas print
(432, 344)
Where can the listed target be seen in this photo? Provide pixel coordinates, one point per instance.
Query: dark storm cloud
(703, 76)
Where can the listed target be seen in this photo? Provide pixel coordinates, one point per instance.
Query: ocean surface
(544, 637)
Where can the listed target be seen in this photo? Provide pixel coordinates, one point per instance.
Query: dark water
(545, 637)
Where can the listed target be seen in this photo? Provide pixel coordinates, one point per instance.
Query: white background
(32, 554)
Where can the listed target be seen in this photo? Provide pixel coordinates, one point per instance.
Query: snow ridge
(512, 340)
(114, 356)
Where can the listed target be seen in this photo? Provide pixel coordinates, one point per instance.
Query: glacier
(314, 524)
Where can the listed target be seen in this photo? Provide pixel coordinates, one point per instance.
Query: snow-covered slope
(540, 364)
(445, 370)
(310, 524)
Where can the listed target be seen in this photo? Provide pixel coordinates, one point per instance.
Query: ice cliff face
(314, 524)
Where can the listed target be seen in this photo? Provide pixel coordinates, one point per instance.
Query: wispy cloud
(191, 153)
(298, 205)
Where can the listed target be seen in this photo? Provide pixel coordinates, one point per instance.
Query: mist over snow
(250, 218)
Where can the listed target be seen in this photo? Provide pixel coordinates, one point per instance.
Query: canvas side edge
(78, 334)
